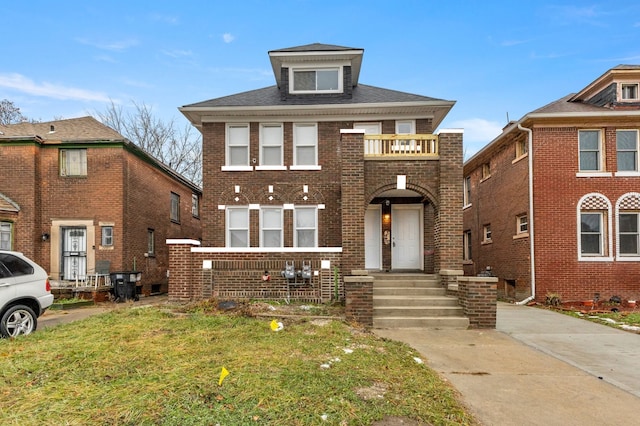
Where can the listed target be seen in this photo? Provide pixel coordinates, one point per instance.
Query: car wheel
(17, 320)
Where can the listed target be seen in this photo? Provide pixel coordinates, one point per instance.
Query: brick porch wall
(478, 298)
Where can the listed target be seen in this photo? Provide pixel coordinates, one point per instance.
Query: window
(466, 241)
(237, 227)
(175, 207)
(5, 235)
(271, 227)
(486, 170)
(591, 234)
(107, 236)
(305, 232)
(305, 141)
(238, 145)
(195, 205)
(271, 145)
(589, 141)
(627, 149)
(151, 242)
(522, 147)
(486, 233)
(467, 192)
(629, 92)
(628, 234)
(316, 80)
(73, 162)
(11, 265)
(522, 224)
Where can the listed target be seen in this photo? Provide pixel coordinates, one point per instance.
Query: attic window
(629, 92)
(325, 80)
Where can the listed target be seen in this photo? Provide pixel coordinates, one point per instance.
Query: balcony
(398, 147)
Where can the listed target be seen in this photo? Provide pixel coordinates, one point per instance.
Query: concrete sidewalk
(550, 377)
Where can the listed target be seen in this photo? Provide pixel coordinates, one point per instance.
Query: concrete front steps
(414, 301)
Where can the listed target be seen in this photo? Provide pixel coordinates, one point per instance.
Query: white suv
(25, 293)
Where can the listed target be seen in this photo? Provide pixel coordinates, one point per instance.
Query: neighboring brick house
(552, 205)
(321, 170)
(75, 192)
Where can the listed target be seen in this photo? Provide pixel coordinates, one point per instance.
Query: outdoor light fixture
(45, 237)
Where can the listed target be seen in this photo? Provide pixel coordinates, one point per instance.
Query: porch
(400, 146)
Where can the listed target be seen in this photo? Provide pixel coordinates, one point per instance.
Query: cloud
(509, 43)
(228, 37)
(117, 46)
(176, 53)
(477, 133)
(570, 14)
(23, 84)
(167, 19)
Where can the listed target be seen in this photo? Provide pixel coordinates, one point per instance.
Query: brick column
(478, 298)
(181, 268)
(449, 216)
(353, 203)
(359, 299)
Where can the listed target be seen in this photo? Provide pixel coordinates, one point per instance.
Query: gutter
(531, 234)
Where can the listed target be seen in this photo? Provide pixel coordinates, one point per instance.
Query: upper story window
(522, 147)
(195, 205)
(175, 207)
(318, 80)
(405, 127)
(486, 233)
(629, 91)
(271, 137)
(151, 242)
(237, 227)
(73, 162)
(5, 235)
(305, 143)
(590, 148)
(522, 224)
(627, 150)
(466, 198)
(237, 145)
(486, 170)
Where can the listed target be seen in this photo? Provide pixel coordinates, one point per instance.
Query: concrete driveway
(537, 368)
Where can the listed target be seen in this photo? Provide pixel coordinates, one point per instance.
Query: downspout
(531, 235)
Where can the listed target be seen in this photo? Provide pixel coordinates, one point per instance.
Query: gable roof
(73, 129)
(7, 204)
(315, 47)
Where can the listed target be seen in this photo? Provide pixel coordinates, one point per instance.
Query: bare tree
(180, 149)
(9, 113)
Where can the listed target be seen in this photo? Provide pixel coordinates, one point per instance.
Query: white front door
(372, 238)
(406, 236)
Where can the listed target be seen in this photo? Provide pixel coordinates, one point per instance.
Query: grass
(149, 366)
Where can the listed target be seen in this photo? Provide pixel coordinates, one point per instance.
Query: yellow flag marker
(224, 373)
(276, 326)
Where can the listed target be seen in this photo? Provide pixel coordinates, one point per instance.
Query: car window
(15, 265)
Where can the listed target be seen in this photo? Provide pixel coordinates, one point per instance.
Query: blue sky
(494, 58)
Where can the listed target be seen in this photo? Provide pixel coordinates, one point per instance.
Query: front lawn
(158, 365)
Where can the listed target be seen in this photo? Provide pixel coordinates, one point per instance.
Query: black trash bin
(124, 285)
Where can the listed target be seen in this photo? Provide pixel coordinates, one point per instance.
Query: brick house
(552, 204)
(75, 192)
(321, 171)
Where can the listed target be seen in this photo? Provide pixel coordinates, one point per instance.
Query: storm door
(74, 253)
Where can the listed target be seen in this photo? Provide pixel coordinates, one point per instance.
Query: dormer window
(629, 92)
(320, 80)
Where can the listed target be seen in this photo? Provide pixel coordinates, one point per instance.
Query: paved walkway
(537, 368)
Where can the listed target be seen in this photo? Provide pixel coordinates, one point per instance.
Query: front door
(372, 239)
(74, 253)
(406, 237)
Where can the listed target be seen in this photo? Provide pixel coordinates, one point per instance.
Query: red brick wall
(497, 200)
(557, 191)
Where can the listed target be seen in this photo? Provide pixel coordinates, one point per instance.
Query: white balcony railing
(420, 145)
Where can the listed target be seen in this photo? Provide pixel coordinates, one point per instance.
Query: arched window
(594, 228)
(628, 227)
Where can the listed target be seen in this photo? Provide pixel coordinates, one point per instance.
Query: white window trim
(295, 229)
(262, 209)
(411, 122)
(10, 227)
(271, 166)
(600, 171)
(629, 172)
(227, 229)
(628, 83)
(607, 239)
(626, 257)
(486, 240)
(466, 192)
(227, 153)
(295, 165)
(317, 67)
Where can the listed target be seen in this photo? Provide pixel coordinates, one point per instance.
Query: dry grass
(159, 366)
